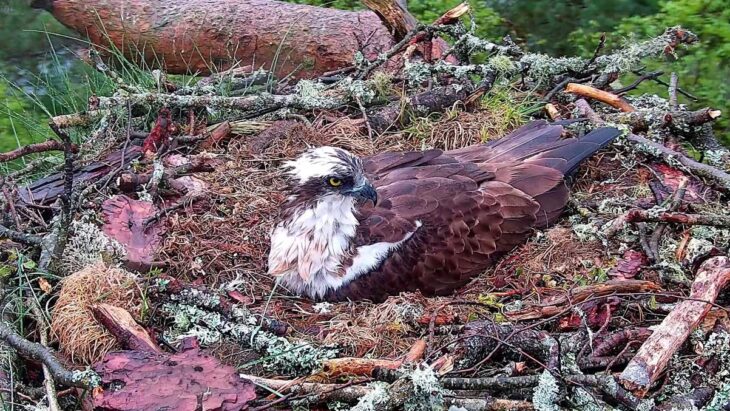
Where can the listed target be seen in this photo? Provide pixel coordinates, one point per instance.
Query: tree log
(649, 363)
(205, 36)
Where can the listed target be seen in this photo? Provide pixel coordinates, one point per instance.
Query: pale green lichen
(697, 248)
(542, 68)
(209, 327)
(547, 393)
(586, 401)
(720, 400)
(718, 158)
(88, 245)
(311, 95)
(87, 377)
(359, 90)
(427, 392)
(416, 72)
(375, 399)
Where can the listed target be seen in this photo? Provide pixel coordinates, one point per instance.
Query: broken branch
(603, 96)
(648, 364)
(50, 145)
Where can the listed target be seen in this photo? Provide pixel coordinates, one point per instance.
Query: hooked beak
(364, 192)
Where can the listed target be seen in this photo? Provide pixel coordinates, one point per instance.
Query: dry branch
(649, 363)
(365, 366)
(603, 96)
(37, 352)
(719, 177)
(678, 218)
(553, 306)
(50, 145)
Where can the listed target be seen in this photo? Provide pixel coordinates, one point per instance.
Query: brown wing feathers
(474, 205)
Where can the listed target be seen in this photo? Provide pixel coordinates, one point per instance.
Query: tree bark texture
(204, 36)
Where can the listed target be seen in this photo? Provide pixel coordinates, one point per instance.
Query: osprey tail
(535, 160)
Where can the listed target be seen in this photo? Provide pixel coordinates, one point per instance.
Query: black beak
(365, 192)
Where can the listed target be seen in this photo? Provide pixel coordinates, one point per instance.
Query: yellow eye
(334, 181)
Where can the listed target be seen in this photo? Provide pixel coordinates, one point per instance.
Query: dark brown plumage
(474, 205)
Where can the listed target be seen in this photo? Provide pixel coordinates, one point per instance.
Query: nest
(79, 336)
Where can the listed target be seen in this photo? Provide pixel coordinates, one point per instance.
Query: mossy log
(204, 36)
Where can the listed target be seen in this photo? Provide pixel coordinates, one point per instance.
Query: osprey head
(318, 223)
(328, 171)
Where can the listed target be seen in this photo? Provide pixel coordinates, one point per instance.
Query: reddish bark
(123, 327)
(204, 36)
(189, 380)
(124, 222)
(160, 134)
(629, 265)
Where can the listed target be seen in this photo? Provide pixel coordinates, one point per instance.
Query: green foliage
(704, 69)
(546, 25)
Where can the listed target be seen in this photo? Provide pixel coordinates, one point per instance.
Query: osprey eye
(334, 181)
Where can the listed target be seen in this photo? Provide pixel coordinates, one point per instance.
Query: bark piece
(124, 221)
(200, 36)
(123, 327)
(46, 190)
(190, 380)
(649, 363)
(218, 134)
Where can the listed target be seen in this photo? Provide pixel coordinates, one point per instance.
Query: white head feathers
(322, 162)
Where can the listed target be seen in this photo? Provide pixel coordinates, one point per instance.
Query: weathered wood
(122, 326)
(651, 360)
(204, 36)
(365, 366)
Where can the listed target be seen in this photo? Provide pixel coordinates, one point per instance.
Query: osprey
(428, 220)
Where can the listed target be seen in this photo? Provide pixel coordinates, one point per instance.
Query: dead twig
(719, 177)
(603, 96)
(50, 145)
(19, 237)
(37, 352)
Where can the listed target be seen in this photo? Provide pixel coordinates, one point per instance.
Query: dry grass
(79, 336)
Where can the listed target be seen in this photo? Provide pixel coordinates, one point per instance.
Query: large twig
(37, 352)
(50, 145)
(603, 96)
(19, 237)
(719, 177)
(649, 363)
(49, 382)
